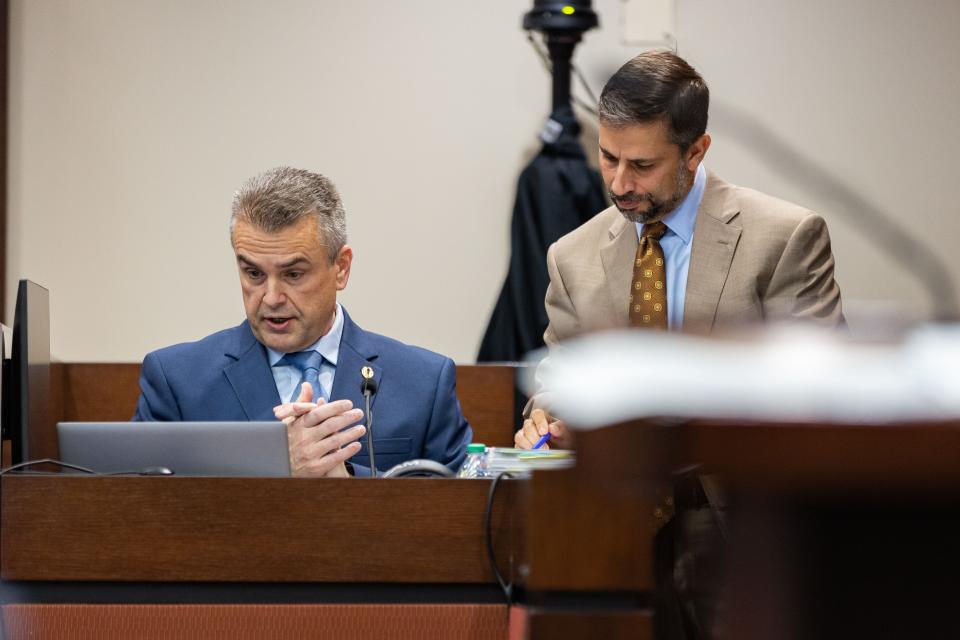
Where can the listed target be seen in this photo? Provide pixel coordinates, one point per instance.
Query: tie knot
(653, 230)
(304, 360)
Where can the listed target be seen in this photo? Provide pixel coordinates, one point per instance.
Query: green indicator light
(568, 10)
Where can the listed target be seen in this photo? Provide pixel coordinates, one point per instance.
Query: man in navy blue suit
(298, 356)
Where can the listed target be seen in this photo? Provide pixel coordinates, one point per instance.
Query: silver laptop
(186, 448)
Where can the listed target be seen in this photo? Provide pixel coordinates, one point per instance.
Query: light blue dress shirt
(287, 376)
(676, 244)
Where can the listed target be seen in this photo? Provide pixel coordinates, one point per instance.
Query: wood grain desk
(367, 545)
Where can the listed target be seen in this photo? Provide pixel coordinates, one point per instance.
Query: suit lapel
(715, 239)
(356, 351)
(250, 376)
(618, 255)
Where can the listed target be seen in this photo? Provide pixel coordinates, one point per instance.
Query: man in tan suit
(685, 251)
(727, 256)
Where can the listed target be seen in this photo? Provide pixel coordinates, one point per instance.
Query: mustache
(629, 198)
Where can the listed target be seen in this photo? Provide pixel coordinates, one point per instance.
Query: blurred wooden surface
(833, 522)
(590, 536)
(798, 457)
(834, 530)
(586, 625)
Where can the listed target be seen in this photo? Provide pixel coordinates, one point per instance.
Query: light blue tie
(308, 362)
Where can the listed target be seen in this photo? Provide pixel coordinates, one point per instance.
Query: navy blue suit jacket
(226, 376)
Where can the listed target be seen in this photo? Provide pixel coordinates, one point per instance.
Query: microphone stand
(562, 25)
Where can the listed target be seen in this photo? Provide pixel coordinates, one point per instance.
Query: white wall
(132, 123)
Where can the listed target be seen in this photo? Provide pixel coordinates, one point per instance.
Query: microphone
(369, 387)
(369, 384)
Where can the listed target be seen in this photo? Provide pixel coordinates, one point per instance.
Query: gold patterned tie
(648, 293)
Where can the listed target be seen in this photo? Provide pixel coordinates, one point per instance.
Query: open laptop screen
(187, 448)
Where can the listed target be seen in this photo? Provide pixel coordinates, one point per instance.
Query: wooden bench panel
(108, 392)
(332, 530)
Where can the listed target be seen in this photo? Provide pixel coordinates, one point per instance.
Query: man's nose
(275, 295)
(621, 183)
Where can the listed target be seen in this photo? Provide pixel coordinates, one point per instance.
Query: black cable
(583, 83)
(134, 472)
(488, 536)
(30, 463)
(583, 105)
(369, 414)
(544, 58)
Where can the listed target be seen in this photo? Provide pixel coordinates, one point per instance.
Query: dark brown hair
(655, 85)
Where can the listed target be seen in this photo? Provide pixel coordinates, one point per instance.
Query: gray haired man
(299, 357)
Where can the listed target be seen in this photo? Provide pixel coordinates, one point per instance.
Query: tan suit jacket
(754, 259)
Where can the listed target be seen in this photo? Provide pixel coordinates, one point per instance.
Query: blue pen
(542, 441)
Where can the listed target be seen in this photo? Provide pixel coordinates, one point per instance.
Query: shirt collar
(681, 220)
(328, 345)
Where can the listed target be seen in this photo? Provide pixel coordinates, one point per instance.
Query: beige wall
(132, 123)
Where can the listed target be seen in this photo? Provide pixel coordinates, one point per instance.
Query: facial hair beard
(658, 209)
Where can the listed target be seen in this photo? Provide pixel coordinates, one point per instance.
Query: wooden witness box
(322, 558)
(289, 556)
(831, 526)
(249, 530)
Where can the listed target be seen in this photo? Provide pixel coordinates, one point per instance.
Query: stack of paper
(521, 462)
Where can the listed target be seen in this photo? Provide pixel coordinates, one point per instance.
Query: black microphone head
(369, 383)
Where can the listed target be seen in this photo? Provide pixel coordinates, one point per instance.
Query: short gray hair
(281, 197)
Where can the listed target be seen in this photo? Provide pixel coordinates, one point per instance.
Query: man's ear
(342, 262)
(696, 152)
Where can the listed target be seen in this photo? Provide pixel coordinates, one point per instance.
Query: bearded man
(680, 249)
